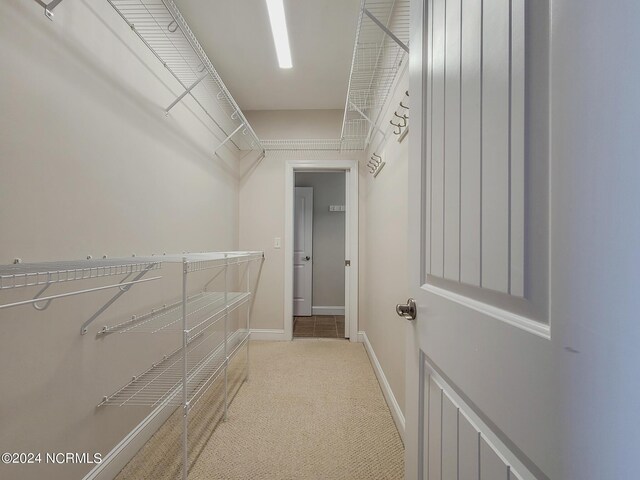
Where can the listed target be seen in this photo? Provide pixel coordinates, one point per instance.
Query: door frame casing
(350, 168)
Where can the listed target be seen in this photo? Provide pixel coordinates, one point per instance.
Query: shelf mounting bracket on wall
(48, 7)
(386, 30)
(124, 287)
(371, 123)
(228, 138)
(185, 93)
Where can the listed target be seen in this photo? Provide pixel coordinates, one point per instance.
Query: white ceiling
(236, 36)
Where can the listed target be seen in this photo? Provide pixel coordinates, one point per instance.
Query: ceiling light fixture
(279, 30)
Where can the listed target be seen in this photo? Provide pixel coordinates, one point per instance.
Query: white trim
(350, 167)
(394, 407)
(276, 335)
(512, 319)
(327, 310)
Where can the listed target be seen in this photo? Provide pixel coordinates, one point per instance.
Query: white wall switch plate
(276, 242)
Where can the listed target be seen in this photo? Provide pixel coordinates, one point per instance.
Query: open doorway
(319, 255)
(321, 249)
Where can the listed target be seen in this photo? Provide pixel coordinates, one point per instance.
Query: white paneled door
(303, 251)
(522, 358)
(478, 365)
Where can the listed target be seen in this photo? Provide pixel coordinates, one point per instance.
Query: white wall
(262, 196)
(328, 236)
(383, 249)
(296, 124)
(90, 165)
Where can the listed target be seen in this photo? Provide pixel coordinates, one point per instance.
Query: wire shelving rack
(210, 338)
(163, 29)
(381, 47)
(382, 39)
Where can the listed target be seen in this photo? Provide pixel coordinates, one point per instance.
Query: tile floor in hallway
(319, 326)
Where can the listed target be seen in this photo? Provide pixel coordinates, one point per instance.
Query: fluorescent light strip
(279, 30)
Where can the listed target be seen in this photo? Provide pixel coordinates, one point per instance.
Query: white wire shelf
(203, 311)
(46, 273)
(377, 59)
(331, 144)
(162, 383)
(165, 32)
(205, 260)
(302, 144)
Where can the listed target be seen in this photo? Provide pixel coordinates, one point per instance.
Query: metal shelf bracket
(371, 122)
(185, 93)
(228, 138)
(386, 30)
(48, 7)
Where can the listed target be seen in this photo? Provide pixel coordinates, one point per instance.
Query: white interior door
(479, 357)
(523, 359)
(303, 251)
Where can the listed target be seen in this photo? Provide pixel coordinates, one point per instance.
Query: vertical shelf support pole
(248, 315)
(185, 404)
(226, 330)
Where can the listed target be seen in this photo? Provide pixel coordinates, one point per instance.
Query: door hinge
(347, 263)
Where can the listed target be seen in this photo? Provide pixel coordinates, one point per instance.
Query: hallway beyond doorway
(319, 326)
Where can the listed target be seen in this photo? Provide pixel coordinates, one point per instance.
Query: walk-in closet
(148, 156)
(319, 239)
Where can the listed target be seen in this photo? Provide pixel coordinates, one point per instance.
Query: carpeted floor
(312, 409)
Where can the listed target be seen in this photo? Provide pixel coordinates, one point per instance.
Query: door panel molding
(531, 326)
(475, 155)
(460, 444)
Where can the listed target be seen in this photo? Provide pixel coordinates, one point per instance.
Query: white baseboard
(268, 334)
(331, 310)
(396, 412)
(114, 461)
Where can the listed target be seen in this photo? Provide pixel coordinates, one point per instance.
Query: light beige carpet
(312, 409)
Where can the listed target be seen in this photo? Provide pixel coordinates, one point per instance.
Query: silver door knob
(307, 258)
(407, 310)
